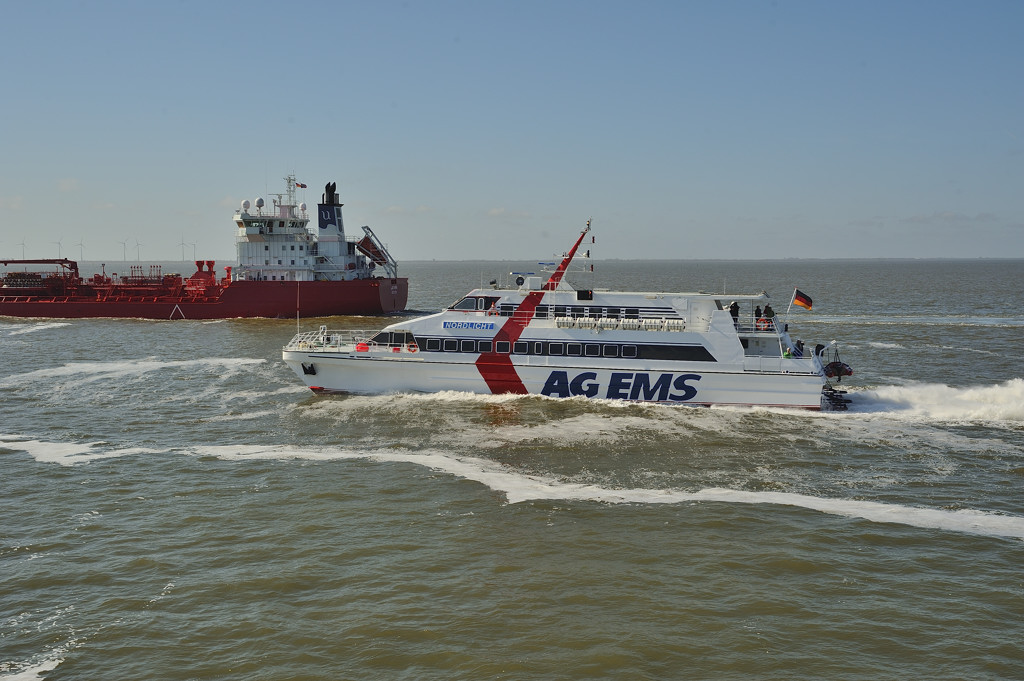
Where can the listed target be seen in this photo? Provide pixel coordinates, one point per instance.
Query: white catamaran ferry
(548, 338)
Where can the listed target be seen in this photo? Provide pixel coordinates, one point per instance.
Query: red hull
(275, 299)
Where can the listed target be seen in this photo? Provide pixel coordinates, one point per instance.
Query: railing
(759, 325)
(345, 341)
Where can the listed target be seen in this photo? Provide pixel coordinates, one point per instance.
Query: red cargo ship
(283, 270)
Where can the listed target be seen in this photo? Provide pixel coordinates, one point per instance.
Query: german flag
(802, 299)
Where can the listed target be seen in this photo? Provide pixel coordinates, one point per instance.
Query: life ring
(762, 324)
(411, 347)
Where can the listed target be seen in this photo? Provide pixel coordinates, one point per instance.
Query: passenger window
(573, 349)
(521, 348)
(451, 345)
(503, 347)
(593, 350)
(468, 346)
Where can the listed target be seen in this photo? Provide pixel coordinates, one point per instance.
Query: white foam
(34, 671)
(85, 372)
(41, 326)
(519, 487)
(69, 453)
(1000, 402)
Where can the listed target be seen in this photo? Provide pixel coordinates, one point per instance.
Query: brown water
(175, 505)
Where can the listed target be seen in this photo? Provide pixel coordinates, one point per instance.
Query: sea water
(174, 504)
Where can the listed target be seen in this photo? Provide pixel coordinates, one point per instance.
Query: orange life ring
(762, 324)
(411, 347)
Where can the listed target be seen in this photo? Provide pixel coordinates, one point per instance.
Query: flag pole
(791, 299)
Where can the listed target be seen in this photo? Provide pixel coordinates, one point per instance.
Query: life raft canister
(838, 369)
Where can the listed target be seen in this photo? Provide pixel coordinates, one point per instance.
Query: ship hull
(271, 299)
(668, 383)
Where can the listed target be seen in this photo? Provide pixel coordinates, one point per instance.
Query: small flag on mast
(802, 299)
(300, 185)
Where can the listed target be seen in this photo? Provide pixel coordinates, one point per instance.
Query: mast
(556, 277)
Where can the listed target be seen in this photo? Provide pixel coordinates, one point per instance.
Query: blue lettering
(642, 384)
(577, 387)
(618, 387)
(688, 390)
(557, 385)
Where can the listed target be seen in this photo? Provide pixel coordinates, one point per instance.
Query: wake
(518, 487)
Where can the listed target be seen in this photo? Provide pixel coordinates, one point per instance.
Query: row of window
(574, 311)
(266, 247)
(690, 353)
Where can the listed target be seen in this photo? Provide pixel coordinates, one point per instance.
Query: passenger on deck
(734, 310)
(768, 312)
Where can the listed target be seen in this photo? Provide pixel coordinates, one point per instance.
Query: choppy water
(175, 505)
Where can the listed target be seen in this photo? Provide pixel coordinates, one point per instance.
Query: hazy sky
(493, 130)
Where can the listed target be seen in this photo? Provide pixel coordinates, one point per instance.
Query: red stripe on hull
(274, 299)
(497, 369)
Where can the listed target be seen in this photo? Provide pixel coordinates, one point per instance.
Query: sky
(484, 130)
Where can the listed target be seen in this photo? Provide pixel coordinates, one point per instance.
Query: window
(559, 310)
(506, 309)
(433, 344)
(573, 349)
(502, 347)
(629, 351)
(465, 304)
(541, 312)
(688, 353)
(467, 346)
(521, 347)
(593, 350)
(555, 349)
(451, 345)
(266, 248)
(293, 247)
(484, 346)
(610, 350)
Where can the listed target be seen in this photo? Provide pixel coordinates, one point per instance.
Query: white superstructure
(548, 338)
(274, 244)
